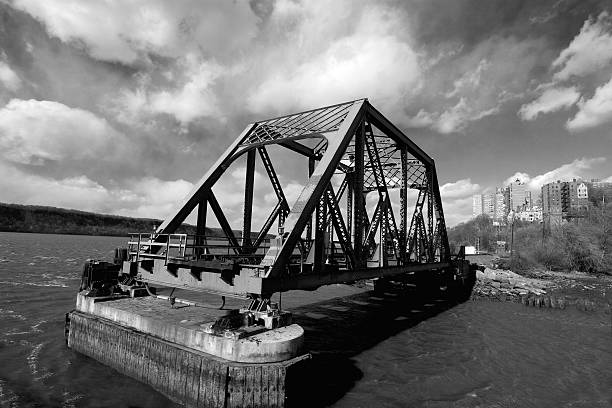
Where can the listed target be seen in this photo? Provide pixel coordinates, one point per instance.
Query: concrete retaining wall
(186, 376)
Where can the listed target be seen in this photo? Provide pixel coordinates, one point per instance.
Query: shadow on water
(341, 328)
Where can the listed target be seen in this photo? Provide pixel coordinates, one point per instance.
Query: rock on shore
(545, 289)
(504, 283)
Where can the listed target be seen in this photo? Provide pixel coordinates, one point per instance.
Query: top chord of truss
(299, 125)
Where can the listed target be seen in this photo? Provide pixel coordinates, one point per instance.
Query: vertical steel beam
(311, 167)
(403, 204)
(349, 204)
(441, 228)
(248, 202)
(201, 228)
(201, 222)
(384, 262)
(430, 216)
(320, 235)
(360, 208)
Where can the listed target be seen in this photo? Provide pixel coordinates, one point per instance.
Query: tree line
(52, 220)
(582, 244)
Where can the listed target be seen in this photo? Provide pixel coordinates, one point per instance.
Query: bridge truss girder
(357, 158)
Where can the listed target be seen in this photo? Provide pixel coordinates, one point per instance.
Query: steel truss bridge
(370, 208)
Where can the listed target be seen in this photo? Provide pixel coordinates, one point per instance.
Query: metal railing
(183, 247)
(151, 245)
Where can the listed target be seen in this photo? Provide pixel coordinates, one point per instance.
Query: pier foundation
(169, 357)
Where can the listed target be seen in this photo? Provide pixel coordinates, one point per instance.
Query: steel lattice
(316, 121)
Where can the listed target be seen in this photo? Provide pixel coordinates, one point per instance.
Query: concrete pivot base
(190, 327)
(187, 376)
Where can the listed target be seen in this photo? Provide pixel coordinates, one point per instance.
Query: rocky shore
(548, 289)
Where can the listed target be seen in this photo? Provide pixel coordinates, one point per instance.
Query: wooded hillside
(52, 220)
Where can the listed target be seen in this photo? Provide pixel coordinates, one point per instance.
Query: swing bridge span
(370, 209)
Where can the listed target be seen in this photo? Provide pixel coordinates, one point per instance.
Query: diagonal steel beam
(314, 189)
(375, 164)
(267, 225)
(340, 227)
(203, 186)
(373, 227)
(214, 205)
(265, 158)
(392, 226)
(382, 123)
(340, 193)
(413, 232)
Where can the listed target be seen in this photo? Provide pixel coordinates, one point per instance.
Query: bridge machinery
(369, 209)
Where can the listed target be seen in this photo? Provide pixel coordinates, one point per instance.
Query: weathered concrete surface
(186, 376)
(190, 326)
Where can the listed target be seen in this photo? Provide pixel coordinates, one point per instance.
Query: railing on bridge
(183, 248)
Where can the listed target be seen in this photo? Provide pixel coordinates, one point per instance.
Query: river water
(368, 351)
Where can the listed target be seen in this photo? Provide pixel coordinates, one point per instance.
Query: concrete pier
(142, 338)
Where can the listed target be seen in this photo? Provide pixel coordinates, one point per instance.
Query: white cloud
(370, 61)
(147, 197)
(453, 119)
(595, 111)
(491, 74)
(151, 197)
(469, 80)
(589, 51)
(291, 191)
(551, 100)
(128, 31)
(459, 188)
(520, 176)
(191, 98)
(578, 169)
(457, 200)
(458, 210)
(32, 132)
(9, 78)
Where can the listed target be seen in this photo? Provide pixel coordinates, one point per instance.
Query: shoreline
(543, 288)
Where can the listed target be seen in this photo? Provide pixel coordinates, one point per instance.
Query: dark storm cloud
(472, 21)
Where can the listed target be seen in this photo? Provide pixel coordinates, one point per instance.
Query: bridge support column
(182, 360)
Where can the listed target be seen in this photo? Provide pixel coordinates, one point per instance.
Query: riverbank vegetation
(581, 244)
(52, 220)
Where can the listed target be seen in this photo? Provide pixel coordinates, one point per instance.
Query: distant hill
(52, 220)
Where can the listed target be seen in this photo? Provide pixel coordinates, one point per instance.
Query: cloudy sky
(119, 106)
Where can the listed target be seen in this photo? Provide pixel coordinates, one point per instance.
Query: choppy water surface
(368, 351)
